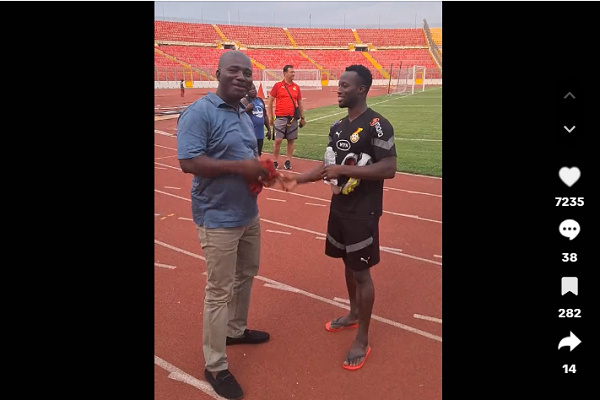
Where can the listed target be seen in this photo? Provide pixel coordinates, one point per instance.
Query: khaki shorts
(285, 131)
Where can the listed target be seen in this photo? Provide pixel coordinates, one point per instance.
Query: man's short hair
(363, 72)
(288, 66)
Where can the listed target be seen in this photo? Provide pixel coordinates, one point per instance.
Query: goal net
(407, 80)
(307, 79)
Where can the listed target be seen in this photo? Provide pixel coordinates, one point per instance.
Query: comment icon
(569, 228)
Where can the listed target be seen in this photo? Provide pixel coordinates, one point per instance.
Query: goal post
(408, 80)
(419, 78)
(307, 79)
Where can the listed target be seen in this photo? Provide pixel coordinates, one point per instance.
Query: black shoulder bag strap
(296, 111)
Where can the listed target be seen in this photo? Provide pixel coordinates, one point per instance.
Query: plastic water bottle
(329, 159)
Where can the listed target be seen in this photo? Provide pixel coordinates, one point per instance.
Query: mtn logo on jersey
(343, 145)
(355, 135)
(375, 122)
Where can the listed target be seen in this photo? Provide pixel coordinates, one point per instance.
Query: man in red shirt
(285, 124)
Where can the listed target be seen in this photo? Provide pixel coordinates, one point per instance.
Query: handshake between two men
(265, 175)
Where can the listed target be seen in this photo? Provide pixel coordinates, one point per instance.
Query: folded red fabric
(256, 187)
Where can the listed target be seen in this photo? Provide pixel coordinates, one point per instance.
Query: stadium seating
(255, 35)
(436, 35)
(200, 45)
(393, 37)
(185, 32)
(322, 37)
(276, 59)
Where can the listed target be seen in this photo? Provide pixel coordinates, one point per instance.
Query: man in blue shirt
(216, 143)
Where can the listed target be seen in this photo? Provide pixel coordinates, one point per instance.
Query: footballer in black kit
(356, 210)
(365, 155)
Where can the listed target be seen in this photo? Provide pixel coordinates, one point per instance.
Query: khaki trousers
(232, 259)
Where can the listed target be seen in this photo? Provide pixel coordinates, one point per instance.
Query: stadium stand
(256, 35)
(393, 37)
(197, 47)
(314, 37)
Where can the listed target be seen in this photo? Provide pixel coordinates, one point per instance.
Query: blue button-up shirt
(212, 128)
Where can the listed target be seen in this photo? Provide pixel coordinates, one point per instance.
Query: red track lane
(309, 269)
(412, 236)
(302, 360)
(296, 321)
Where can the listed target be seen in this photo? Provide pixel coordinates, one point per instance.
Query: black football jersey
(372, 134)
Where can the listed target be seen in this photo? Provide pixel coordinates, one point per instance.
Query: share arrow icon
(572, 341)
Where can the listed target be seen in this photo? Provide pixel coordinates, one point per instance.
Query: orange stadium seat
(322, 37)
(255, 35)
(390, 47)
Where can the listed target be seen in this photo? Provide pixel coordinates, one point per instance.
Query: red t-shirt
(283, 103)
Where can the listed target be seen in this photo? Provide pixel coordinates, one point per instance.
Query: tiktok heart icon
(569, 175)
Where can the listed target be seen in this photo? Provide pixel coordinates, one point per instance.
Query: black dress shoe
(224, 384)
(249, 337)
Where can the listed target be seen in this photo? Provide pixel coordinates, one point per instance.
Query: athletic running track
(299, 289)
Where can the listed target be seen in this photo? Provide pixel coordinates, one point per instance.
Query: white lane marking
(413, 192)
(163, 132)
(283, 233)
(329, 201)
(341, 300)
(177, 249)
(185, 219)
(172, 195)
(390, 249)
(318, 233)
(282, 286)
(294, 172)
(172, 187)
(271, 198)
(315, 204)
(435, 255)
(433, 319)
(164, 266)
(167, 166)
(162, 158)
(412, 216)
(178, 375)
(382, 248)
(165, 147)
